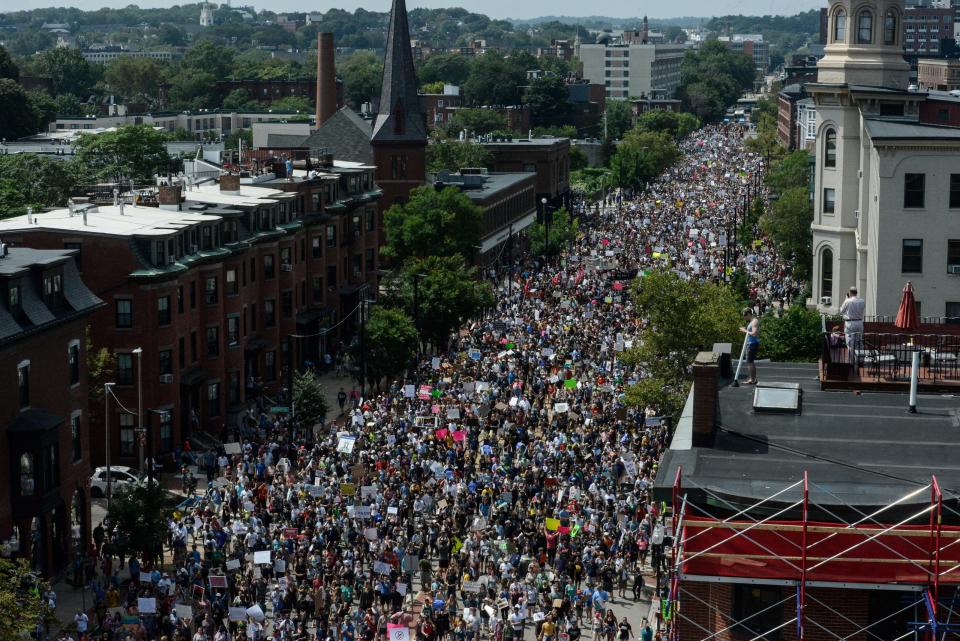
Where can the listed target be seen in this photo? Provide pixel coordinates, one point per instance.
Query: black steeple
(399, 117)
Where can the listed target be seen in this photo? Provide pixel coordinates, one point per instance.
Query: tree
(712, 78)
(31, 180)
(100, 370)
(432, 88)
(137, 152)
(43, 108)
(8, 68)
(787, 224)
(68, 71)
(678, 124)
(449, 68)
(795, 336)
(641, 157)
(309, 400)
(19, 118)
(791, 171)
(494, 80)
(135, 79)
(390, 344)
(233, 140)
(240, 100)
(766, 141)
(477, 122)
(684, 317)
(447, 293)
(578, 159)
(361, 74)
(548, 98)
(293, 104)
(22, 601)
(619, 115)
(563, 229)
(171, 35)
(139, 513)
(210, 58)
(192, 89)
(454, 155)
(432, 223)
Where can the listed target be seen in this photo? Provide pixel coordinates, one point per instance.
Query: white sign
(399, 633)
(256, 613)
(408, 391)
(381, 568)
(370, 533)
(472, 586)
(262, 557)
(184, 611)
(435, 362)
(231, 448)
(233, 564)
(346, 443)
(361, 512)
(393, 510)
(368, 491)
(561, 408)
(401, 588)
(280, 566)
(237, 614)
(147, 606)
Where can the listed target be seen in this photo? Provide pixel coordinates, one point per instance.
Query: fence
(889, 355)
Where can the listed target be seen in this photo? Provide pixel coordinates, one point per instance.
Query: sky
(494, 8)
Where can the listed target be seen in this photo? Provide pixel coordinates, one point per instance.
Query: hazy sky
(494, 8)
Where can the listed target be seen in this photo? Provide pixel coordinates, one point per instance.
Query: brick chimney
(326, 78)
(230, 183)
(169, 197)
(706, 371)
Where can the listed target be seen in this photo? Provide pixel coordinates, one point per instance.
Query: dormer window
(13, 300)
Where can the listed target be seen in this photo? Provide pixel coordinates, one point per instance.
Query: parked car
(121, 476)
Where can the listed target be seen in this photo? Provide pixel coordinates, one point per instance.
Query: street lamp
(162, 414)
(107, 391)
(546, 224)
(140, 429)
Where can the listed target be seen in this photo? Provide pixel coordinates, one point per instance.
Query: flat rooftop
(106, 220)
(862, 446)
(20, 258)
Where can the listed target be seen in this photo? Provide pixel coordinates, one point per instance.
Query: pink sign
(435, 409)
(424, 393)
(459, 435)
(441, 433)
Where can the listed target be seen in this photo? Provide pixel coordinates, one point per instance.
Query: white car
(121, 476)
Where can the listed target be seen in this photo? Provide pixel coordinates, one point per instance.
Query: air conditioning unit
(166, 378)
(286, 267)
(953, 269)
(826, 301)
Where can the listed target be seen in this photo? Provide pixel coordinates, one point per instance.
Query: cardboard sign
(401, 588)
(279, 566)
(408, 391)
(348, 489)
(290, 532)
(368, 491)
(380, 567)
(459, 435)
(145, 577)
(237, 614)
(392, 510)
(474, 354)
(472, 586)
(217, 581)
(233, 564)
(397, 632)
(362, 512)
(262, 557)
(552, 524)
(232, 448)
(256, 613)
(184, 611)
(146, 606)
(346, 444)
(561, 408)
(370, 533)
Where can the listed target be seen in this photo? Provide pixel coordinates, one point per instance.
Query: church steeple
(865, 44)
(399, 117)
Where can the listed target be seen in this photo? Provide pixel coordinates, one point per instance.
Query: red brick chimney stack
(326, 79)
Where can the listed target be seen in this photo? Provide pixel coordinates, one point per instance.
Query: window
(286, 304)
(75, 443)
(754, 607)
(911, 261)
(233, 386)
(211, 289)
(952, 313)
(285, 258)
(954, 191)
(166, 361)
(161, 250)
(371, 220)
(27, 482)
(268, 267)
(317, 247)
(213, 399)
(829, 200)
(317, 289)
(865, 28)
(331, 235)
(125, 368)
(180, 299)
(13, 298)
(232, 287)
(398, 167)
(23, 383)
(826, 272)
(124, 307)
(830, 149)
(332, 276)
(913, 188)
(953, 253)
(166, 431)
(253, 270)
(213, 341)
(73, 361)
(233, 331)
(269, 313)
(163, 310)
(127, 435)
(890, 28)
(181, 352)
(270, 365)
(253, 317)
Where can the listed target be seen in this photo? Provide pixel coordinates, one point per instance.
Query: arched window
(826, 273)
(865, 28)
(26, 474)
(890, 28)
(830, 149)
(840, 26)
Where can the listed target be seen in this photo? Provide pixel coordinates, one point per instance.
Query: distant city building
(560, 49)
(549, 158)
(924, 28)
(751, 44)
(440, 107)
(206, 15)
(938, 73)
(628, 70)
(108, 54)
(787, 114)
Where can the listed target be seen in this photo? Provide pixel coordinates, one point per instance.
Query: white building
(887, 187)
(103, 56)
(806, 123)
(632, 70)
(206, 15)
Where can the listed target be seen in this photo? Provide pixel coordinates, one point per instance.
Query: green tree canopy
(22, 601)
(455, 155)
(391, 343)
(787, 224)
(712, 78)
(450, 68)
(494, 80)
(765, 140)
(135, 79)
(795, 336)
(209, 57)
(562, 229)
(677, 124)
(448, 291)
(139, 512)
(548, 98)
(309, 399)
(19, 115)
(619, 116)
(432, 223)
(477, 122)
(792, 171)
(361, 73)
(641, 157)
(68, 71)
(35, 181)
(192, 89)
(240, 99)
(8, 68)
(133, 151)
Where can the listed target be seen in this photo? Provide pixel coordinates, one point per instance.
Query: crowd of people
(501, 492)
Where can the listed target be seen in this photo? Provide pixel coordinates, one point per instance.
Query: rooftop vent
(777, 398)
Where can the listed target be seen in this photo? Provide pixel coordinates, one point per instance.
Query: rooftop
(491, 184)
(864, 446)
(896, 130)
(107, 220)
(22, 258)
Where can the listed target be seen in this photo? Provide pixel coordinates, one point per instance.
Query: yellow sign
(552, 524)
(348, 489)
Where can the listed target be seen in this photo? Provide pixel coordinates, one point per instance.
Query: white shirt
(853, 308)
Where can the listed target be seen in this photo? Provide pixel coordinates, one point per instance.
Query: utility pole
(510, 260)
(290, 362)
(363, 346)
(107, 391)
(140, 432)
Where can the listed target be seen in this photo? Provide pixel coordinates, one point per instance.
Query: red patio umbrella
(907, 313)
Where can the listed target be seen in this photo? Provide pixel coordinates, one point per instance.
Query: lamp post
(107, 391)
(140, 429)
(546, 228)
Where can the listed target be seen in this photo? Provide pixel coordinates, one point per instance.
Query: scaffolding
(902, 546)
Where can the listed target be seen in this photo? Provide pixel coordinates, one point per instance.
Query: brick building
(217, 288)
(787, 101)
(942, 74)
(549, 158)
(44, 501)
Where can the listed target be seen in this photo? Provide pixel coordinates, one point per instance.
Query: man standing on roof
(852, 312)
